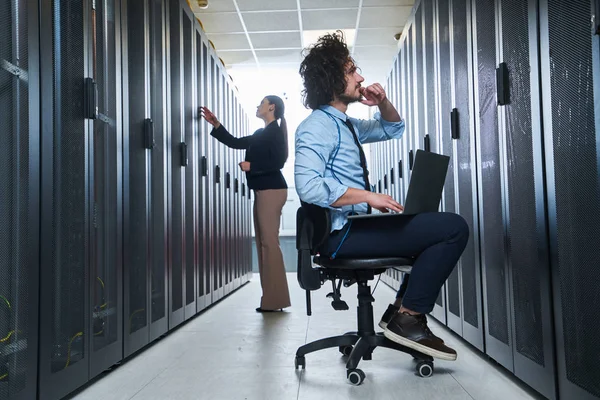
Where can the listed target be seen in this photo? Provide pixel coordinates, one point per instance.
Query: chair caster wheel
(300, 361)
(346, 350)
(425, 369)
(355, 376)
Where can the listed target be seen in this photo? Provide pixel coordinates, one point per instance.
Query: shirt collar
(334, 111)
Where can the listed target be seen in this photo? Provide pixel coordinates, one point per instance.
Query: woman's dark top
(266, 150)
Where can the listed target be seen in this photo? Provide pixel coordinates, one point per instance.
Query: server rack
(570, 47)
(19, 198)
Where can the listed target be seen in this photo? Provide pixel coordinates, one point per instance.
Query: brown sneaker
(412, 331)
(388, 315)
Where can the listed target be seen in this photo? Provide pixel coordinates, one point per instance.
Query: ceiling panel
(341, 19)
(276, 40)
(279, 56)
(231, 41)
(271, 21)
(237, 57)
(307, 4)
(381, 17)
(368, 3)
(378, 36)
(221, 23)
(214, 6)
(257, 5)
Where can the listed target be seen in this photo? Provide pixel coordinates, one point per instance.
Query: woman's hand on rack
(209, 117)
(245, 166)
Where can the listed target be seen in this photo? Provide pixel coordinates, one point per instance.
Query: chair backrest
(313, 225)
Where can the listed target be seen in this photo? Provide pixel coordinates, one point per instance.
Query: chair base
(360, 345)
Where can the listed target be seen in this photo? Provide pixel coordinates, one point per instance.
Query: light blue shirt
(328, 161)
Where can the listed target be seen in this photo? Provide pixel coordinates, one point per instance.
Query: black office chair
(313, 225)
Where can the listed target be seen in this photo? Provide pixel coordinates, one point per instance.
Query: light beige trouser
(267, 216)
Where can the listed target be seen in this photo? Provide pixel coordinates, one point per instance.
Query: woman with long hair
(266, 154)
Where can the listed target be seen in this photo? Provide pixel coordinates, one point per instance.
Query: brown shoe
(412, 331)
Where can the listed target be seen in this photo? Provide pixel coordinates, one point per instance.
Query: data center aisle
(232, 352)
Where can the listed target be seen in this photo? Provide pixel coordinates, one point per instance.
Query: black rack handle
(149, 133)
(400, 170)
(227, 180)
(502, 84)
(427, 143)
(392, 177)
(385, 182)
(91, 99)
(204, 166)
(454, 126)
(243, 190)
(236, 185)
(184, 154)
(411, 159)
(217, 174)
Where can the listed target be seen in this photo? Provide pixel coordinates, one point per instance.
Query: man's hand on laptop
(383, 203)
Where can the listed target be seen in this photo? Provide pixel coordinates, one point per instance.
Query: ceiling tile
(271, 21)
(237, 57)
(213, 6)
(221, 23)
(304, 4)
(342, 19)
(382, 17)
(262, 5)
(232, 41)
(279, 56)
(373, 53)
(368, 3)
(381, 36)
(276, 40)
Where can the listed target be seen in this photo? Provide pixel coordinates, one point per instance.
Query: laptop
(425, 186)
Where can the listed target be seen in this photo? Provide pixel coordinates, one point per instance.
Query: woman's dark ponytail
(280, 114)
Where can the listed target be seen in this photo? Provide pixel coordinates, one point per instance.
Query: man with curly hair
(331, 172)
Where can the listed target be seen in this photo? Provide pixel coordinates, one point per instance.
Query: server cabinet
(202, 79)
(145, 302)
(227, 217)
(178, 162)
(570, 70)
(190, 214)
(525, 204)
(19, 198)
(496, 299)
(216, 195)
(81, 218)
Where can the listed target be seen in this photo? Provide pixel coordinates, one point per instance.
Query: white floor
(232, 352)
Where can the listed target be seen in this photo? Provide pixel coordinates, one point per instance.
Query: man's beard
(344, 98)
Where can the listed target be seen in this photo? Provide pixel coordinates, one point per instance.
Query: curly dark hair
(323, 70)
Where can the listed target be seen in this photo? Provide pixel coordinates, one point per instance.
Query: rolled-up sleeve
(378, 129)
(314, 146)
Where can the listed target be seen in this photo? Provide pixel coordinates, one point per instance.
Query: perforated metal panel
(466, 185)
(105, 201)
(493, 246)
(15, 237)
(177, 171)
(522, 235)
(69, 240)
(430, 80)
(190, 171)
(137, 241)
(158, 181)
(452, 285)
(577, 189)
(202, 81)
(420, 103)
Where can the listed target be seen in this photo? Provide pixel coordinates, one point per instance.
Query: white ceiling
(256, 34)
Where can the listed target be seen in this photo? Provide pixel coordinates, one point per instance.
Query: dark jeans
(436, 240)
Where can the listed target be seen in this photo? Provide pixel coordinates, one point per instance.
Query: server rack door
(190, 218)
(159, 299)
(571, 72)
(237, 216)
(222, 94)
(106, 284)
(19, 198)
(137, 174)
(177, 176)
(527, 233)
(498, 332)
(65, 212)
(465, 178)
(227, 192)
(202, 86)
(217, 278)
(446, 147)
(419, 78)
(213, 188)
